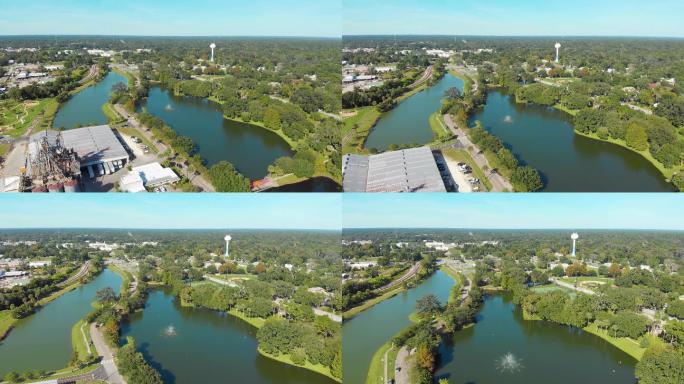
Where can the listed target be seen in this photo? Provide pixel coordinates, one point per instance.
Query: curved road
(411, 272)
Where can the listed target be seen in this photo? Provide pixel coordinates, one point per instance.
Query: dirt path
(107, 356)
(85, 339)
(499, 183)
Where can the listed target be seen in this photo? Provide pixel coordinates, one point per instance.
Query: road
(197, 180)
(426, 75)
(81, 272)
(220, 281)
(499, 183)
(91, 73)
(110, 368)
(411, 272)
(402, 377)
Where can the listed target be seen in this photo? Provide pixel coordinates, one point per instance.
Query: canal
(367, 332)
(504, 348)
(543, 137)
(251, 149)
(85, 107)
(43, 341)
(194, 345)
(408, 122)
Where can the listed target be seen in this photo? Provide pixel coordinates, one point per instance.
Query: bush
(226, 178)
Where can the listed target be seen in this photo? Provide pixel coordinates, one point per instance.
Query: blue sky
(524, 211)
(514, 17)
(172, 210)
(172, 17)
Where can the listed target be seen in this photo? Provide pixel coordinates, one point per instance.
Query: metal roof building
(94, 145)
(407, 170)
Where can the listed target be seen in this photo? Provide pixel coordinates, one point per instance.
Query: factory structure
(406, 170)
(55, 161)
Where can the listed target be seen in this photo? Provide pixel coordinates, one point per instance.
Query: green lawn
(627, 345)
(4, 148)
(553, 287)
(318, 368)
(376, 370)
(77, 342)
(256, 322)
(364, 119)
(463, 156)
(112, 115)
(16, 117)
(437, 125)
(6, 322)
(126, 277)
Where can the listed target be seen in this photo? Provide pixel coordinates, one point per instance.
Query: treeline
(133, 367)
(523, 178)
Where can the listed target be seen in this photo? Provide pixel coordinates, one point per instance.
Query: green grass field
(112, 115)
(438, 126)
(364, 119)
(78, 343)
(16, 117)
(369, 303)
(319, 368)
(4, 148)
(627, 345)
(376, 369)
(6, 322)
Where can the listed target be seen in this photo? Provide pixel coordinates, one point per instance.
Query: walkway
(198, 180)
(110, 368)
(411, 272)
(332, 316)
(402, 375)
(572, 286)
(499, 183)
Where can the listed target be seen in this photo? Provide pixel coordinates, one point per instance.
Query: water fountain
(170, 331)
(508, 363)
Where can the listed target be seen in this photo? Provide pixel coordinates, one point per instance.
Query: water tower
(227, 239)
(212, 46)
(574, 238)
(558, 47)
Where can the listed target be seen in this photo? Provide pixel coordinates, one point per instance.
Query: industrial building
(147, 176)
(55, 160)
(407, 170)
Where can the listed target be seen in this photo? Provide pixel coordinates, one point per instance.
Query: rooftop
(97, 144)
(407, 170)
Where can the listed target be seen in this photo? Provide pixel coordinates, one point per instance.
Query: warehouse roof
(408, 170)
(93, 145)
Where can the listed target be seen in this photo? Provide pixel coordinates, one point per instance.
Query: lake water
(194, 345)
(542, 352)
(251, 149)
(85, 107)
(43, 340)
(543, 138)
(408, 122)
(368, 331)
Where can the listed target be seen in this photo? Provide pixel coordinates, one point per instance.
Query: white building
(147, 176)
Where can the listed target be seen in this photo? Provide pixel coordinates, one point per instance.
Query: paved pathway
(332, 316)
(400, 280)
(572, 286)
(499, 183)
(110, 368)
(402, 377)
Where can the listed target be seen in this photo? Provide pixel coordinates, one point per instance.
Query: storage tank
(39, 189)
(55, 187)
(71, 186)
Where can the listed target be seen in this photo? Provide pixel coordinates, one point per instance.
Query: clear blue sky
(524, 211)
(514, 17)
(172, 17)
(172, 210)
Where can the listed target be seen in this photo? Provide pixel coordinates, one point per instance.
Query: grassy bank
(357, 128)
(126, 277)
(78, 344)
(625, 344)
(371, 302)
(6, 323)
(318, 368)
(437, 125)
(112, 116)
(129, 76)
(376, 369)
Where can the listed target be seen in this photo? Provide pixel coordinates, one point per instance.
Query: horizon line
(179, 228)
(523, 229)
(114, 35)
(486, 35)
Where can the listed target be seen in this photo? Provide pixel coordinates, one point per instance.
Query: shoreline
(646, 155)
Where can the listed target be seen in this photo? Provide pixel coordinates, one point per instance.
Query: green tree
(636, 137)
(226, 178)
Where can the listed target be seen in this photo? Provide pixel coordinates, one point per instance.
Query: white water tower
(212, 46)
(558, 47)
(227, 239)
(574, 238)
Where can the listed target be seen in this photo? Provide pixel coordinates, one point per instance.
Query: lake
(250, 148)
(540, 352)
(43, 340)
(195, 345)
(85, 107)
